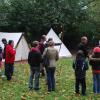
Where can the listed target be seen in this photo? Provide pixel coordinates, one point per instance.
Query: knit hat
(96, 50)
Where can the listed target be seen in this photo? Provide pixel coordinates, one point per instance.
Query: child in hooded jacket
(80, 65)
(95, 63)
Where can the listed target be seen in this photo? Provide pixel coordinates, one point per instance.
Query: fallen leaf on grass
(63, 90)
(90, 98)
(23, 98)
(12, 94)
(56, 98)
(24, 95)
(42, 96)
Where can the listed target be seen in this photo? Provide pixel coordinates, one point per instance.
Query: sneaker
(49, 90)
(36, 88)
(53, 89)
(77, 94)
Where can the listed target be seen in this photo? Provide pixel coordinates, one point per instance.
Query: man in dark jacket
(34, 60)
(41, 48)
(42, 44)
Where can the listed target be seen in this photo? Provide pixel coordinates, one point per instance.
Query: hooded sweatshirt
(34, 57)
(94, 62)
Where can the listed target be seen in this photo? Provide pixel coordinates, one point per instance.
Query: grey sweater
(53, 56)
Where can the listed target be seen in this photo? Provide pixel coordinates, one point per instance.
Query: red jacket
(96, 63)
(41, 47)
(10, 54)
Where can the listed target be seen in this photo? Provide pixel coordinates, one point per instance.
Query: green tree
(74, 18)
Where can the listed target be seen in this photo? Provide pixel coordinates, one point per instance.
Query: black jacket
(0, 53)
(80, 66)
(4, 53)
(84, 48)
(34, 58)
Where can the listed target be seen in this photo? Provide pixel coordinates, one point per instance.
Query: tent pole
(62, 33)
(22, 48)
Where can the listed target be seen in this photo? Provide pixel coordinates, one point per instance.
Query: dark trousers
(81, 82)
(9, 68)
(50, 78)
(5, 67)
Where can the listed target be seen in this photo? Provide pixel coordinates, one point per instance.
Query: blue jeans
(34, 73)
(50, 79)
(96, 83)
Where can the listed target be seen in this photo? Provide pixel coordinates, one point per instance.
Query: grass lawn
(17, 89)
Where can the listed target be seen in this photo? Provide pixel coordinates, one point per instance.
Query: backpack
(80, 68)
(46, 59)
(0, 53)
(4, 53)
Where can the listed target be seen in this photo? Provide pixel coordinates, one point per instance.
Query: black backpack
(0, 53)
(80, 68)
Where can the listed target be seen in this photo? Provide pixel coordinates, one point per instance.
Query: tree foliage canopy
(35, 17)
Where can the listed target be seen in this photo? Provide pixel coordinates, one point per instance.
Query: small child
(95, 63)
(1, 55)
(80, 66)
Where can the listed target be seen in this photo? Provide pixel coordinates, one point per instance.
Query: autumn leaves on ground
(17, 89)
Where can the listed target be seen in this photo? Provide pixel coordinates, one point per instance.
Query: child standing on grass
(80, 66)
(95, 63)
(34, 60)
(1, 55)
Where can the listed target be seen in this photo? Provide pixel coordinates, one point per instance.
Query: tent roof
(10, 36)
(20, 44)
(63, 51)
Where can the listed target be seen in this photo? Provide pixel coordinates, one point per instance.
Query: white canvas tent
(63, 51)
(20, 44)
